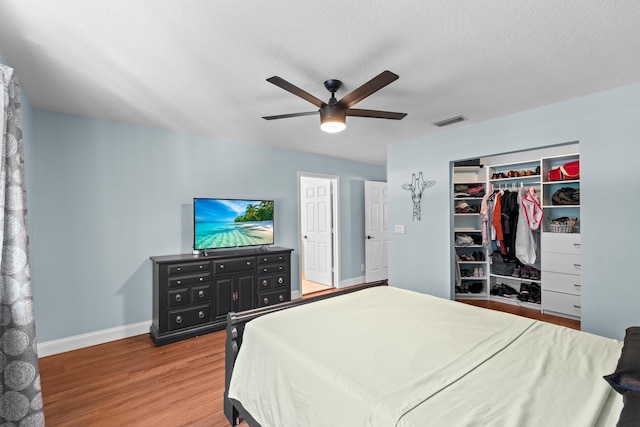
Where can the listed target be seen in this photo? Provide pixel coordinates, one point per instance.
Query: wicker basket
(563, 226)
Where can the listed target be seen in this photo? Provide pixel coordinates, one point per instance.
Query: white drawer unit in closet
(561, 280)
(566, 305)
(564, 243)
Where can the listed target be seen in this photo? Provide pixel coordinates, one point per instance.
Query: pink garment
(532, 209)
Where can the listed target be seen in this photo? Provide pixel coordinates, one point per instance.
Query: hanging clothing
(532, 209)
(509, 219)
(525, 244)
(496, 220)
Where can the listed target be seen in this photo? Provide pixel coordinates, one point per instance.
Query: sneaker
(516, 271)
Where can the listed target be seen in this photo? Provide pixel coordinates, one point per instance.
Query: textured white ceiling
(200, 66)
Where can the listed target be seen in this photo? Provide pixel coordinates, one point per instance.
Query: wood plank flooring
(130, 382)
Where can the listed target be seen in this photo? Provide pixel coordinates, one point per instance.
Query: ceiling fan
(333, 114)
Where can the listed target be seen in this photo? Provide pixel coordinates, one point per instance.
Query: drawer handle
(201, 294)
(264, 270)
(266, 301)
(577, 286)
(179, 268)
(280, 280)
(178, 297)
(179, 281)
(577, 245)
(280, 258)
(577, 265)
(577, 306)
(264, 260)
(248, 262)
(201, 279)
(280, 268)
(201, 314)
(281, 298)
(265, 282)
(201, 267)
(178, 319)
(221, 266)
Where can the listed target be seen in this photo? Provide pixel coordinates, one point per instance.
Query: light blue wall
(607, 126)
(109, 195)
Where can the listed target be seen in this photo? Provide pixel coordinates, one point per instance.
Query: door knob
(369, 237)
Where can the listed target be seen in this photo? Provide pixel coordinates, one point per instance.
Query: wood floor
(130, 382)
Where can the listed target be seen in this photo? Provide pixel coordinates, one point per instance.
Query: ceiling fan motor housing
(333, 118)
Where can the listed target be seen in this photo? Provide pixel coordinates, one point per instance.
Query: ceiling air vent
(450, 121)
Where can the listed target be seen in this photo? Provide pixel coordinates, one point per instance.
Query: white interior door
(376, 215)
(316, 230)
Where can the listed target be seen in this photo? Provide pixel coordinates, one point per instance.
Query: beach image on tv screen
(222, 223)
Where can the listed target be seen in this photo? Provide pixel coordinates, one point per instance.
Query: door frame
(335, 220)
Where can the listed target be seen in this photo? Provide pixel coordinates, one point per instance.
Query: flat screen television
(231, 223)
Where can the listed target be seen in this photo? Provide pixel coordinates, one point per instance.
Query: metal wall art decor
(417, 185)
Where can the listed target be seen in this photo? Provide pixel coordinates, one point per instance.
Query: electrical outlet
(399, 229)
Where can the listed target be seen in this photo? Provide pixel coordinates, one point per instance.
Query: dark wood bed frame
(233, 410)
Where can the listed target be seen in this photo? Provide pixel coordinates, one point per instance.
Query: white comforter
(391, 357)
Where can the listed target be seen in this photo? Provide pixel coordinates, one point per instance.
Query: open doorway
(318, 232)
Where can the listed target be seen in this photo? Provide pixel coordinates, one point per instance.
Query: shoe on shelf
(516, 271)
(534, 273)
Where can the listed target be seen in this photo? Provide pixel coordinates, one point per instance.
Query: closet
(519, 241)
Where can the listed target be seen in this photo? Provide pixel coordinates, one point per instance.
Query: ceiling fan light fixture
(333, 127)
(333, 119)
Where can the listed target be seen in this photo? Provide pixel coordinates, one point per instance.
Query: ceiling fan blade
(296, 91)
(375, 114)
(286, 116)
(373, 85)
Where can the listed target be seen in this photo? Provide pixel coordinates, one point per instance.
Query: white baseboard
(62, 345)
(351, 282)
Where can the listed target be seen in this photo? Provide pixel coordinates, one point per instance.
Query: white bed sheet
(390, 357)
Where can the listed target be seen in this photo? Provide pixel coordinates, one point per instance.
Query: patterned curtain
(20, 394)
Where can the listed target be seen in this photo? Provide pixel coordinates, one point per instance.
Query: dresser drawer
(265, 283)
(272, 268)
(561, 243)
(196, 279)
(266, 259)
(178, 297)
(281, 280)
(233, 265)
(560, 263)
(179, 319)
(561, 282)
(271, 298)
(200, 294)
(192, 267)
(560, 303)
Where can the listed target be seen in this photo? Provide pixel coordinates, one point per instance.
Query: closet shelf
(467, 230)
(516, 179)
(515, 301)
(518, 279)
(567, 181)
(559, 206)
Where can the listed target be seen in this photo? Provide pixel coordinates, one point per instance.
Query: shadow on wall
(136, 295)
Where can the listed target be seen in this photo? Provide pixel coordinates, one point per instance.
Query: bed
(385, 356)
